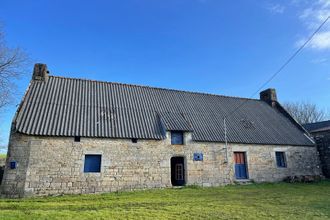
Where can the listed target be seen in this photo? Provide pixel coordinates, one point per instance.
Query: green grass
(256, 201)
(3, 155)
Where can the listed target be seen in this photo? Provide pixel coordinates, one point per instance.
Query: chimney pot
(40, 72)
(269, 96)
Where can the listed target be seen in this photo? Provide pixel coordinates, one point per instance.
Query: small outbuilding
(321, 134)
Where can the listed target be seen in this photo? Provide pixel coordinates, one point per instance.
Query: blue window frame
(280, 159)
(92, 163)
(177, 137)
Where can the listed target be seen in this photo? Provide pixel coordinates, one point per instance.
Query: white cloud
(321, 41)
(312, 17)
(326, 3)
(320, 60)
(276, 8)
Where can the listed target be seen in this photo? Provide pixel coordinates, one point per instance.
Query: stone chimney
(40, 72)
(269, 96)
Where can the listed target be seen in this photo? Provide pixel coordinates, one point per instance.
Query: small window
(177, 137)
(92, 163)
(280, 159)
(134, 140)
(77, 139)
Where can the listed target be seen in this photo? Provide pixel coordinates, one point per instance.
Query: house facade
(321, 134)
(72, 136)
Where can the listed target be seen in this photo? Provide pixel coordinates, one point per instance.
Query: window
(77, 139)
(134, 140)
(179, 171)
(280, 159)
(177, 137)
(92, 163)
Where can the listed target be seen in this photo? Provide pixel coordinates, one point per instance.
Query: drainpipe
(226, 141)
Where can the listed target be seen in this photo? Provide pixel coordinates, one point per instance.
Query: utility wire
(265, 83)
(282, 67)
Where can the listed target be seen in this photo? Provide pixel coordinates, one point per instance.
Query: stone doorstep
(177, 187)
(243, 181)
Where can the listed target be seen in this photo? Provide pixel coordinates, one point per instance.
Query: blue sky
(209, 46)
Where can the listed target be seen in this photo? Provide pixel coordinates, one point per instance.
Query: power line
(282, 67)
(265, 83)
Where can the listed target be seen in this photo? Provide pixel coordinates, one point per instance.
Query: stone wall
(13, 182)
(262, 165)
(322, 140)
(55, 165)
(2, 168)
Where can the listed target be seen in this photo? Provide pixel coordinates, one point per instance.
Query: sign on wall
(198, 156)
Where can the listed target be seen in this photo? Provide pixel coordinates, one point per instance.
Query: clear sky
(214, 46)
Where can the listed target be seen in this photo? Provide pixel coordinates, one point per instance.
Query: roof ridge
(159, 88)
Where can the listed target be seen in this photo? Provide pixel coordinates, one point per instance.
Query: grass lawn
(3, 155)
(256, 201)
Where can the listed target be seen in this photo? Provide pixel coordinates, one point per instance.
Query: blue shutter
(92, 163)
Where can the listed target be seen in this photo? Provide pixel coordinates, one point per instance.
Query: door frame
(245, 162)
(185, 170)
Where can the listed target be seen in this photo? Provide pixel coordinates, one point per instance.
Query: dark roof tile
(75, 107)
(317, 126)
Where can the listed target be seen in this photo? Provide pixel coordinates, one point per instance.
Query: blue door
(240, 165)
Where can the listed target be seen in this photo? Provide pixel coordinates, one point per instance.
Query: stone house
(72, 136)
(321, 134)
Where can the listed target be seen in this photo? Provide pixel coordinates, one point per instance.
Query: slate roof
(317, 126)
(77, 107)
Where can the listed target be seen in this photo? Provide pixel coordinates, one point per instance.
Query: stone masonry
(322, 140)
(55, 165)
(2, 167)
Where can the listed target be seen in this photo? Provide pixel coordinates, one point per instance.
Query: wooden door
(240, 165)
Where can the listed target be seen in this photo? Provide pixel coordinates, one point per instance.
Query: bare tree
(12, 65)
(305, 112)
